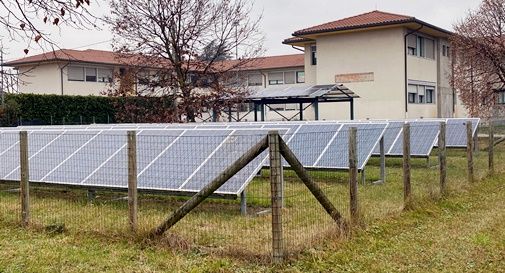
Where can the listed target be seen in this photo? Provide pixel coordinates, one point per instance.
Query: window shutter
(289, 77)
(75, 73)
(278, 76)
(430, 48)
(254, 80)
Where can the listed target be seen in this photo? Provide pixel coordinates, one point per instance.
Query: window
(300, 77)
(289, 77)
(444, 50)
(429, 45)
(412, 45)
(448, 51)
(254, 80)
(313, 55)
(421, 94)
(429, 95)
(104, 75)
(75, 73)
(420, 46)
(501, 97)
(90, 74)
(276, 78)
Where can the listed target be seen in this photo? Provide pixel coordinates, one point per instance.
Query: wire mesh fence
(79, 183)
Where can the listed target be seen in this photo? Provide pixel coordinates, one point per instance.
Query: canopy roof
(303, 93)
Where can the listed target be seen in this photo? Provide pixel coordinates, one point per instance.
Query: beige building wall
(310, 70)
(47, 79)
(40, 79)
(377, 56)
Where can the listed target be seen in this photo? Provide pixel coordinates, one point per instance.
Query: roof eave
(394, 23)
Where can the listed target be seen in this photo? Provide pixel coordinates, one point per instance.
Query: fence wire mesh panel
(233, 221)
(306, 224)
(79, 179)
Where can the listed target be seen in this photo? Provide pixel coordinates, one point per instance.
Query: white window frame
(298, 77)
(417, 97)
(420, 49)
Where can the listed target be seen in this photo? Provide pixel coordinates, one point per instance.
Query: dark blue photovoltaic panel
(423, 135)
(233, 148)
(182, 158)
(37, 141)
(392, 131)
(57, 152)
(310, 141)
(337, 154)
(81, 165)
(150, 143)
(456, 132)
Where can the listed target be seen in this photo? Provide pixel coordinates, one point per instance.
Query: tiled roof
(89, 56)
(293, 40)
(111, 58)
(359, 21)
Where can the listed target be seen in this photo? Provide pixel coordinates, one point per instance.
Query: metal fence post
(24, 184)
(132, 180)
(442, 158)
(469, 151)
(491, 147)
(407, 193)
(276, 195)
(353, 176)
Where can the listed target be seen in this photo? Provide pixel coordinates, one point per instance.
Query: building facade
(398, 65)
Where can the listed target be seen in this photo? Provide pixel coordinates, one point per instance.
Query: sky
(280, 18)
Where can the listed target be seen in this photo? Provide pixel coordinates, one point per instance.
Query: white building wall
(377, 52)
(40, 79)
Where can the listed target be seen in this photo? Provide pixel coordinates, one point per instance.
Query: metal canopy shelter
(311, 95)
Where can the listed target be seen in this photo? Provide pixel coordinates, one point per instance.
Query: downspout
(405, 54)
(299, 49)
(61, 77)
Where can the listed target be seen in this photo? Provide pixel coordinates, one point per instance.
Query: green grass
(463, 232)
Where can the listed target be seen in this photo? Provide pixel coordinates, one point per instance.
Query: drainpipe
(405, 54)
(61, 77)
(299, 49)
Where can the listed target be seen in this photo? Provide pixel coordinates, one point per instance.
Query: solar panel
(456, 132)
(336, 155)
(423, 135)
(177, 160)
(392, 133)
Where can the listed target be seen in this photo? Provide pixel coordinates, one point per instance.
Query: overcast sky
(281, 18)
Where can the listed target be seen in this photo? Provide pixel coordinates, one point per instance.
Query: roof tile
(362, 20)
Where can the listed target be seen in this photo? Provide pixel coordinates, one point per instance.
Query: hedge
(31, 109)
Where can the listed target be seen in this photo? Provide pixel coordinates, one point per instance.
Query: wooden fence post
(25, 174)
(491, 147)
(382, 161)
(276, 195)
(353, 176)
(442, 158)
(469, 151)
(132, 180)
(407, 193)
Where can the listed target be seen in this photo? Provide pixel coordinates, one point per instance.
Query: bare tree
(25, 19)
(479, 57)
(181, 46)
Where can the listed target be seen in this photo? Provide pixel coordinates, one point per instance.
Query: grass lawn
(462, 232)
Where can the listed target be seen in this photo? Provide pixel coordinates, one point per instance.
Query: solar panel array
(97, 158)
(186, 157)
